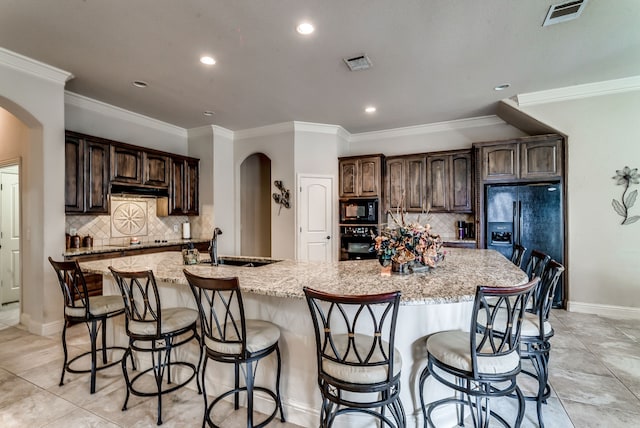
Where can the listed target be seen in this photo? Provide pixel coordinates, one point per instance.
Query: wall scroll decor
(626, 177)
(281, 198)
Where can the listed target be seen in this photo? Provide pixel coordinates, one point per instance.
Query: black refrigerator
(527, 214)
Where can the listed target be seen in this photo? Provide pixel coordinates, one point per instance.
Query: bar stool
(536, 334)
(483, 363)
(517, 255)
(358, 366)
(536, 263)
(156, 330)
(94, 311)
(228, 337)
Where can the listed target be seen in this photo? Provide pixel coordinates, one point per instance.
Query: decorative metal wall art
(281, 198)
(625, 177)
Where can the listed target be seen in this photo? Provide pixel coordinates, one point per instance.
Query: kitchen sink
(233, 261)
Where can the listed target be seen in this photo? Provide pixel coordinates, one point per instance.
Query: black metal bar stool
(358, 365)
(518, 254)
(536, 334)
(483, 363)
(228, 337)
(94, 311)
(156, 330)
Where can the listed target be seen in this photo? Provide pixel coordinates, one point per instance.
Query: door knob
(328, 237)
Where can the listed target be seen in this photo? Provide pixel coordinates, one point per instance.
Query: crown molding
(579, 91)
(223, 132)
(277, 128)
(109, 110)
(474, 122)
(34, 67)
(322, 128)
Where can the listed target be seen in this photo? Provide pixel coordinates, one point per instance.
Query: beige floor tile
(577, 359)
(34, 410)
(80, 418)
(14, 388)
(588, 416)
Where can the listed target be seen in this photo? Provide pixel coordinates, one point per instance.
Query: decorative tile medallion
(129, 218)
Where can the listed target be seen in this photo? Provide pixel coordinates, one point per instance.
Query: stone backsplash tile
(443, 224)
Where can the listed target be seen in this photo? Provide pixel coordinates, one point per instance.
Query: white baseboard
(39, 328)
(604, 310)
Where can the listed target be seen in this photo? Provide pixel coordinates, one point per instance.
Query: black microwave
(363, 211)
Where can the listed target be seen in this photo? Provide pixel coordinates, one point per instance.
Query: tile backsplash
(443, 224)
(100, 227)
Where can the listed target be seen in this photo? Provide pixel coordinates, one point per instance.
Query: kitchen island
(432, 301)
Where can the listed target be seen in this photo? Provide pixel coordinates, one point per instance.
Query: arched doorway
(255, 206)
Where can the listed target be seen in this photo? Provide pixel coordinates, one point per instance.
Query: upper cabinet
(93, 165)
(86, 175)
(528, 158)
(360, 176)
(405, 183)
(183, 194)
(449, 181)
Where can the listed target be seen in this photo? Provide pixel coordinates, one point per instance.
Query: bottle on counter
(75, 241)
(87, 241)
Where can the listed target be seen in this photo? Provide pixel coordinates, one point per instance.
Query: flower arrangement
(411, 246)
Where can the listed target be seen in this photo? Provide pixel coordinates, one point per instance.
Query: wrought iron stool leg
(64, 349)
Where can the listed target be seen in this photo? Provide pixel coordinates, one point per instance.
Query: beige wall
(13, 136)
(603, 136)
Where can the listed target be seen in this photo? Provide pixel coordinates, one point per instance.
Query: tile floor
(595, 376)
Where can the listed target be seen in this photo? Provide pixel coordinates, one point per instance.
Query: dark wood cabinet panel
(541, 159)
(96, 175)
(461, 187)
(156, 169)
(360, 176)
(86, 175)
(183, 193)
(449, 181)
(348, 178)
(126, 165)
(438, 183)
(405, 183)
(74, 175)
(500, 162)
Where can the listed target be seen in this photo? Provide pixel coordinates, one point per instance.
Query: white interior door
(315, 218)
(9, 237)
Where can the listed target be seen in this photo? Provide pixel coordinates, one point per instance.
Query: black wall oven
(357, 242)
(359, 211)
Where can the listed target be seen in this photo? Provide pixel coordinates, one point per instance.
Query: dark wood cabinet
(126, 165)
(86, 175)
(96, 177)
(156, 169)
(528, 158)
(449, 181)
(360, 176)
(405, 183)
(183, 193)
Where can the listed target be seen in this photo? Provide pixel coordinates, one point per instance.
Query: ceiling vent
(357, 63)
(564, 12)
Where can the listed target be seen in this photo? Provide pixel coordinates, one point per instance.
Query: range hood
(133, 190)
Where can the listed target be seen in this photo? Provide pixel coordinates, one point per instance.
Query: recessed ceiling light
(502, 87)
(209, 113)
(305, 28)
(207, 60)
(139, 83)
(370, 109)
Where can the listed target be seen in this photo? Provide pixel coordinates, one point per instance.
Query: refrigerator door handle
(515, 238)
(520, 223)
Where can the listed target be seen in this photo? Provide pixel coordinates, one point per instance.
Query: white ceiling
(433, 60)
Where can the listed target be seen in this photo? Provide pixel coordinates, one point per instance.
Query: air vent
(357, 63)
(564, 12)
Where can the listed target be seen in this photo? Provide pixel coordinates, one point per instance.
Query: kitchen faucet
(213, 246)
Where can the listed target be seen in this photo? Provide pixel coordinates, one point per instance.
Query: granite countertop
(101, 249)
(454, 280)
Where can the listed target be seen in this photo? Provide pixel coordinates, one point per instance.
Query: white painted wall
(106, 121)
(603, 136)
(277, 142)
(41, 109)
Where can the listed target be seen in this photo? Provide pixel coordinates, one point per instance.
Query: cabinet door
(541, 159)
(415, 194)
(96, 172)
(73, 175)
(191, 188)
(126, 165)
(500, 162)
(438, 183)
(394, 184)
(156, 169)
(176, 194)
(369, 176)
(460, 183)
(348, 178)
